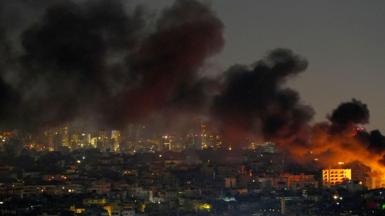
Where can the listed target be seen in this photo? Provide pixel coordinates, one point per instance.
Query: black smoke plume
(169, 59)
(255, 102)
(100, 61)
(71, 59)
(374, 140)
(349, 114)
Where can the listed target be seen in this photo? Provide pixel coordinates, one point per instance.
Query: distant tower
(115, 137)
(65, 137)
(203, 136)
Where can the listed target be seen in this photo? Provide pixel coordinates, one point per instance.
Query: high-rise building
(116, 140)
(332, 177)
(65, 136)
(203, 136)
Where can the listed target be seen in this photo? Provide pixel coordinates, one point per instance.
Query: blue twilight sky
(343, 41)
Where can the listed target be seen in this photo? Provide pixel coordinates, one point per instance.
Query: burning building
(332, 177)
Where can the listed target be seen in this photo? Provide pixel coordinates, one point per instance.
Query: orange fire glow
(339, 149)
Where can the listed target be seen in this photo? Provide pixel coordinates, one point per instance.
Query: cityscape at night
(192, 107)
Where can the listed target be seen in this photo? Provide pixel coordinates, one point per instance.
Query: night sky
(342, 40)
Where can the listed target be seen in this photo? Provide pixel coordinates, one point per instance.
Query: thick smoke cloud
(9, 97)
(68, 59)
(374, 140)
(255, 101)
(168, 60)
(349, 114)
(95, 59)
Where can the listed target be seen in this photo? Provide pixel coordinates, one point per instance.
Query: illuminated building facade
(116, 140)
(167, 142)
(336, 176)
